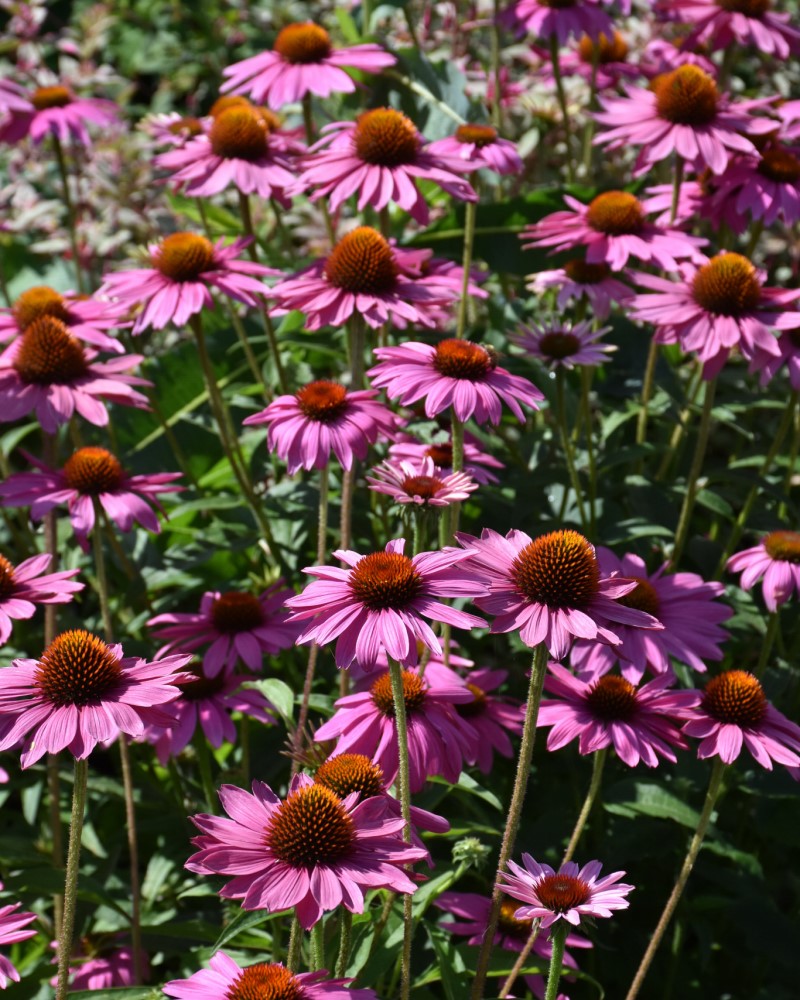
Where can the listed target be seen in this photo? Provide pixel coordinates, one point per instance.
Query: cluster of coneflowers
(605, 634)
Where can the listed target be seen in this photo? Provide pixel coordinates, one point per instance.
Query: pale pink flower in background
(479, 147)
(578, 281)
(768, 365)
(604, 59)
(765, 188)
(25, 585)
(55, 109)
(540, 18)
(103, 961)
(776, 558)
(88, 319)
(13, 928)
(420, 484)
(477, 462)
(716, 25)
(561, 345)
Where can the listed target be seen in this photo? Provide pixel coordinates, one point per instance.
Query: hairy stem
(71, 877)
(682, 531)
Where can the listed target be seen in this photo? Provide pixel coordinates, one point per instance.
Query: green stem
(522, 958)
(356, 334)
(71, 216)
(558, 937)
(100, 570)
(647, 392)
(470, 218)
(308, 118)
(566, 444)
(497, 68)
(712, 794)
(598, 762)
(317, 946)
(538, 671)
(562, 103)
(345, 934)
(793, 452)
(586, 407)
(398, 697)
(682, 531)
(133, 852)
(768, 642)
(677, 181)
(680, 429)
(71, 877)
(295, 946)
(457, 440)
(204, 767)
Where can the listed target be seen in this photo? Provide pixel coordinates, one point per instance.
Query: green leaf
(649, 800)
(243, 921)
(278, 692)
(121, 993)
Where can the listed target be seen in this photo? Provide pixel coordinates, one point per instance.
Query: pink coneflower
(172, 128)
(493, 717)
(777, 559)
(561, 345)
(85, 318)
(313, 852)
(177, 284)
(103, 963)
(578, 281)
(208, 702)
(639, 723)
(47, 371)
(661, 55)
(13, 98)
(236, 151)
(603, 60)
(768, 365)
(224, 978)
(682, 112)
(472, 913)
(238, 625)
(454, 373)
(379, 157)
(479, 147)
(13, 926)
(613, 227)
(719, 304)
(82, 692)
(477, 462)
(684, 603)
(766, 188)
(551, 589)
(57, 110)
(568, 894)
(364, 275)
(720, 24)
(90, 474)
(323, 418)
(25, 585)
(421, 484)
(439, 740)
(378, 603)
(302, 61)
(559, 18)
(734, 713)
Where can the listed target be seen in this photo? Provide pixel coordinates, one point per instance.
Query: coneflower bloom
(302, 61)
(311, 852)
(777, 559)
(103, 961)
(237, 625)
(613, 227)
(493, 717)
(578, 282)
(56, 110)
(550, 588)
(171, 128)
(719, 24)
(479, 147)
(421, 484)
(183, 269)
(682, 112)
(603, 60)
(12, 98)
(561, 345)
(684, 603)
(378, 603)
(224, 978)
(13, 928)
(379, 157)
(25, 585)
(766, 188)
(562, 19)
(570, 893)
(717, 305)
(439, 740)
(477, 462)
(88, 319)
(364, 275)
(768, 365)
(733, 714)
(82, 692)
(90, 474)
(321, 419)
(47, 371)
(455, 373)
(641, 724)
(236, 151)
(208, 702)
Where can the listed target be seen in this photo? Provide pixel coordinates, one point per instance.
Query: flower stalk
(398, 697)
(682, 531)
(558, 938)
(71, 877)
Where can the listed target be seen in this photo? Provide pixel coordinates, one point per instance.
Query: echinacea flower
(88, 319)
(580, 282)
(103, 961)
(238, 625)
(777, 559)
(682, 112)
(455, 373)
(641, 724)
(546, 19)
(684, 603)
(25, 585)
(439, 741)
(82, 692)
(721, 24)
(13, 928)
(718, 304)
(311, 852)
(768, 365)
(321, 419)
(550, 588)
(379, 157)
(56, 110)
(302, 61)
(236, 151)
(562, 345)
(183, 269)
(493, 717)
(477, 462)
(90, 475)
(613, 227)
(47, 371)
(766, 188)
(602, 61)
(364, 275)
(570, 893)
(272, 980)
(378, 603)
(479, 147)
(734, 714)
(421, 484)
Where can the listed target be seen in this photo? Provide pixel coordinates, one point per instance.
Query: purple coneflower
(103, 962)
(477, 462)
(25, 585)
(767, 188)
(13, 928)
(768, 365)
(56, 110)
(602, 61)
(479, 147)
(561, 345)
(421, 483)
(578, 282)
(720, 24)
(559, 20)
(777, 559)
(87, 319)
